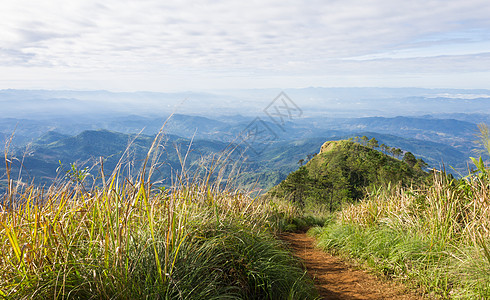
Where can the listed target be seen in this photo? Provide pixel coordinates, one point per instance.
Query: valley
(229, 186)
(42, 144)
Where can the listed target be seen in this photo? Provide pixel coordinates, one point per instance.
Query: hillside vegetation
(431, 233)
(342, 173)
(127, 238)
(435, 237)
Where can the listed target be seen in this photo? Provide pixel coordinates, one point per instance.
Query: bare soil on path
(336, 279)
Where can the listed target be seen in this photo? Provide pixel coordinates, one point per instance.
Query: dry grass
(435, 237)
(129, 239)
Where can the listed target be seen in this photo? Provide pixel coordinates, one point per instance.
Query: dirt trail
(335, 279)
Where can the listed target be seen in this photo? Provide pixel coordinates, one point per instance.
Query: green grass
(433, 235)
(128, 239)
(435, 238)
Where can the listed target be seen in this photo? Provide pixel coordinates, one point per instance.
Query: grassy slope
(127, 239)
(434, 236)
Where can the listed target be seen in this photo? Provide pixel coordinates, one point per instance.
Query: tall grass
(129, 239)
(436, 237)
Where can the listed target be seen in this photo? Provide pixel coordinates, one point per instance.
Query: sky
(155, 45)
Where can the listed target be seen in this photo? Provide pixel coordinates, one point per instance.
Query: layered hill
(343, 171)
(52, 154)
(40, 161)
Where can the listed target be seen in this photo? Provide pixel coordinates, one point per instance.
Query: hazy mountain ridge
(62, 125)
(437, 141)
(452, 132)
(437, 155)
(449, 131)
(345, 102)
(41, 160)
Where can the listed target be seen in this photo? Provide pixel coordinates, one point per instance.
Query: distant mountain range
(314, 101)
(41, 159)
(451, 132)
(438, 126)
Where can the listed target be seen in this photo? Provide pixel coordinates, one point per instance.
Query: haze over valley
(50, 127)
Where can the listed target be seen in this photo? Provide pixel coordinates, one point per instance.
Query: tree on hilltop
(364, 140)
(373, 143)
(384, 148)
(410, 159)
(397, 152)
(421, 164)
(301, 162)
(310, 156)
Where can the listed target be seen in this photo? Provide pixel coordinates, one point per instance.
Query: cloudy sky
(157, 45)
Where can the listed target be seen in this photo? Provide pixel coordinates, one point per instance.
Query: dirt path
(337, 280)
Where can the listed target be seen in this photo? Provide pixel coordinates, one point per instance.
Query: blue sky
(128, 45)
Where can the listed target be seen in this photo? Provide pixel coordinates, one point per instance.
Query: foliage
(484, 138)
(410, 159)
(342, 173)
(436, 237)
(373, 143)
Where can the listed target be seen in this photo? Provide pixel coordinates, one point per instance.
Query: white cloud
(142, 41)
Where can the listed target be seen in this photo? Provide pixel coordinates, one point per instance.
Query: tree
(310, 156)
(421, 164)
(301, 162)
(364, 140)
(384, 148)
(396, 152)
(373, 143)
(297, 185)
(410, 159)
(390, 150)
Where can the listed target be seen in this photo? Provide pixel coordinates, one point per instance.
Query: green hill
(342, 172)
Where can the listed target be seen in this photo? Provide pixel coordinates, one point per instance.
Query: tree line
(395, 152)
(344, 173)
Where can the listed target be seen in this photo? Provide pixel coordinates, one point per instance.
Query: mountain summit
(343, 171)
